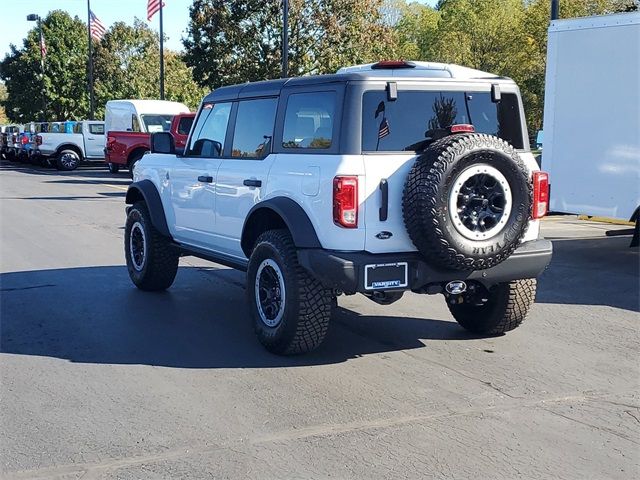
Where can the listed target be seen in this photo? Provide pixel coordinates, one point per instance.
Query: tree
(127, 66)
(3, 98)
(65, 63)
(238, 41)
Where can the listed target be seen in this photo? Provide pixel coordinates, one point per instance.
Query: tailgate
(386, 235)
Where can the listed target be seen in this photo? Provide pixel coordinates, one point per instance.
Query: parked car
(381, 179)
(11, 141)
(129, 122)
(67, 150)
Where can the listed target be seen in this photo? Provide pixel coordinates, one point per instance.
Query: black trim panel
(295, 218)
(149, 192)
(216, 257)
(344, 271)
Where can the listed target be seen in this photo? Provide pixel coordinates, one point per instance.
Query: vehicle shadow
(592, 271)
(95, 315)
(91, 170)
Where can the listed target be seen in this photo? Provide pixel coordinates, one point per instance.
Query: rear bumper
(344, 271)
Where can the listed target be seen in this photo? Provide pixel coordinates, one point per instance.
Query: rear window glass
(157, 123)
(308, 121)
(405, 124)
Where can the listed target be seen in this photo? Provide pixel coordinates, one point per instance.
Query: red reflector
(345, 201)
(540, 194)
(24, 140)
(462, 128)
(393, 64)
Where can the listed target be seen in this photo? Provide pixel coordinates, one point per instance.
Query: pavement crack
(591, 425)
(13, 289)
(628, 412)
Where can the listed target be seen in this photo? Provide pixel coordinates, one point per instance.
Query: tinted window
(210, 130)
(157, 123)
(308, 121)
(77, 128)
(96, 129)
(254, 127)
(184, 125)
(404, 124)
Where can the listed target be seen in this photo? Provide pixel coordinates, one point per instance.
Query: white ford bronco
(379, 179)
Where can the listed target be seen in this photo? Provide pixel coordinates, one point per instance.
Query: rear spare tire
(467, 202)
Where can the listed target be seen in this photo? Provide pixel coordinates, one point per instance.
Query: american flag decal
(383, 131)
(96, 27)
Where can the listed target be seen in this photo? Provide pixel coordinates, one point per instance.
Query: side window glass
(210, 131)
(308, 120)
(135, 124)
(96, 129)
(185, 125)
(254, 128)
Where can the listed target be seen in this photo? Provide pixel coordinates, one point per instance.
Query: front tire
(290, 308)
(152, 261)
(500, 309)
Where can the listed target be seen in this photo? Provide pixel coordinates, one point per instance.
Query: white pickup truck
(65, 151)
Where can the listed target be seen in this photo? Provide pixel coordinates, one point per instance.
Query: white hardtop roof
(596, 21)
(152, 106)
(421, 69)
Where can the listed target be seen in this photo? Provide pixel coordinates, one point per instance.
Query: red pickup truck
(124, 149)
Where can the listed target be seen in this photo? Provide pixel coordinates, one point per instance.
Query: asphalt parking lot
(100, 380)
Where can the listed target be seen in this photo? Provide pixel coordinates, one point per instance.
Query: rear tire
(152, 261)
(290, 308)
(133, 161)
(506, 307)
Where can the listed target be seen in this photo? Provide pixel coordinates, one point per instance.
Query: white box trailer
(592, 115)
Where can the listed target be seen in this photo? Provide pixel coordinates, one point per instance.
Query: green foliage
(66, 60)
(505, 37)
(233, 42)
(3, 98)
(126, 65)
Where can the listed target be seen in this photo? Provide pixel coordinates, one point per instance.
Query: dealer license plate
(386, 275)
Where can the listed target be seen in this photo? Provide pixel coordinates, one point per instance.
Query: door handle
(251, 182)
(205, 178)
(383, 212)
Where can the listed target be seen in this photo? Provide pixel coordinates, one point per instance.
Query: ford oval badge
(384, 235)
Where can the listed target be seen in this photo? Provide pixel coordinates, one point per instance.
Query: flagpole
(44, 93)
(90, 63)
(161, 56)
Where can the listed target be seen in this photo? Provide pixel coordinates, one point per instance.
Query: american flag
(96, 27)
(383, 131)
(153, 7)
(43, 47)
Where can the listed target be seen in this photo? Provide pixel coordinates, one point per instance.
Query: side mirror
(162, 142)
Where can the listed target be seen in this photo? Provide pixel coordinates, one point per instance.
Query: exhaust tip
(455, 287)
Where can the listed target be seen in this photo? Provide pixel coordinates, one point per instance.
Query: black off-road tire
(507, 306)
(160, 259)
(426, 195)
(307, 305)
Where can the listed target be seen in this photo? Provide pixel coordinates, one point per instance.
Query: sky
(14, 27)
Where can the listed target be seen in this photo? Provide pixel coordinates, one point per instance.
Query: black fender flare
(294, 217)
(147, 191)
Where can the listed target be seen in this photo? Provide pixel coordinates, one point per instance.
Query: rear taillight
(24, 140)
(390, 64)
(540, 194)
(345, 201)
